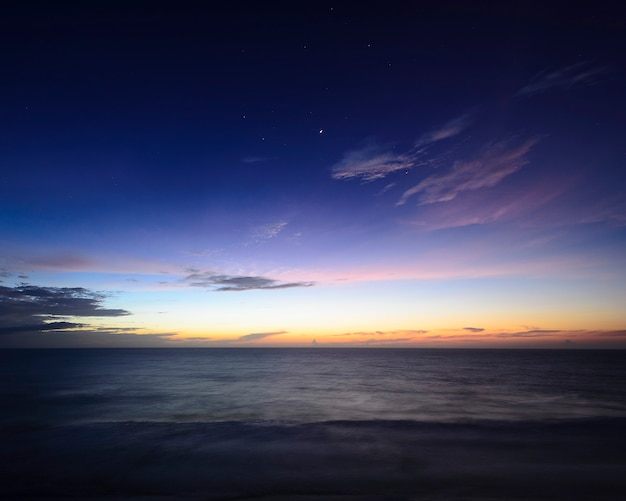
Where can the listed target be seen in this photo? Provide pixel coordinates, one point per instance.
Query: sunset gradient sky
(299, 174)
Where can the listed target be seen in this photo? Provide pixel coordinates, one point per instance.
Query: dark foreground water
(303, 424)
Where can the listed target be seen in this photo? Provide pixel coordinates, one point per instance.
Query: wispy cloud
(535, 337)
(39, 327)
(377, 162)
(385, 189)
(450, 129)
(576, 75)
(60, 262)
(407, 333)
(253, 159)
(89, 339)
(372, 162)
(615, 214)
(268, 231)
(229, 283)
(208, 252)
(30, 308)
(260, 335)
(528, 205)
(385, 341)
(609, 334)
(496, 162)
(475, 336)
(530, 333)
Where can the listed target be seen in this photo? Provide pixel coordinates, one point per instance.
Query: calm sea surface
(308, 385)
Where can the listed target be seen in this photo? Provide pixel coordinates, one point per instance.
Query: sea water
(239, 423)
(309, 385)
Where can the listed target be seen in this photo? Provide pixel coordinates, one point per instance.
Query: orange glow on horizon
(451, 338)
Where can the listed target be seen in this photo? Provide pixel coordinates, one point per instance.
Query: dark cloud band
(229, 283)
(30, 308)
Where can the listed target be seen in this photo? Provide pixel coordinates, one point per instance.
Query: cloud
(39, 327)
(118, 330)
(525, 204)
(247, 338)
(29, 308)
(377, 162)
(89, 339)
(268, 231)
(621, 333)
(473, 329)
(496, 162)
(228, 283)
(60, 262)
(383, 341)
(576, 75)
(372, 162)
(385, 189)
(531, 333)
(450, 129)
(253, 159)
(613, 215)
(402, 332)
(260, 335)
(582, 336)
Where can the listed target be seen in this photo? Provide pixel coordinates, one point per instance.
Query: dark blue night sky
(366, 174)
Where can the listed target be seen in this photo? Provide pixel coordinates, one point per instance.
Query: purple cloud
(450, 129)
(371, 163)
(496, 162)
(576, 75)
(230, 283)
(376, 162)
(260, 335)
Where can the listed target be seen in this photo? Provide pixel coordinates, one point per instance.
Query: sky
(329, 174)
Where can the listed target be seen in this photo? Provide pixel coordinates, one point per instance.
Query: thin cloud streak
(236, 283)
(476, 337)
(385, 341)
(60, 262)
(526, 206)
(566, 78)
(28, 262)
(268, 231)
(407, 333)
(495, 163)
(532, 333)
(374, 162)
(448, 130)
(253, 159)
(260, 335)
(371, 163)
(90, 339)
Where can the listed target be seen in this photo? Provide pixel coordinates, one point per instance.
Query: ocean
(314, 423)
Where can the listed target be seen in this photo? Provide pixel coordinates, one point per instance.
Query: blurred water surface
(308, 385)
